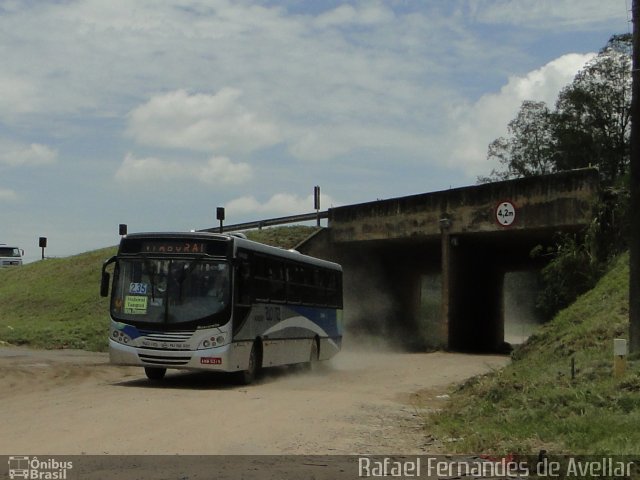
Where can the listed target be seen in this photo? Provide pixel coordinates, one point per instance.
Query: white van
(10, 256)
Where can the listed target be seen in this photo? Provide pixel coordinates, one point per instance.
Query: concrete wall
(552, 201)
(388, 247)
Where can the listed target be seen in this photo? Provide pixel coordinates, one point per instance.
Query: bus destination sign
(174, 247)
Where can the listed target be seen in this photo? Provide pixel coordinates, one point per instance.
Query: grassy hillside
(535, 404)
(55, 303)
(285, 237)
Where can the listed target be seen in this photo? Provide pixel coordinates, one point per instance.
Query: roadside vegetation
(284, 237)
(535, 404)
(55, 303)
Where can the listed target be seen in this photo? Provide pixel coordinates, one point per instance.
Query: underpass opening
(384, 294)
(395, 294)
(483, 283)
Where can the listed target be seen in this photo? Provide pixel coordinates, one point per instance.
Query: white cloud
(325, 142)
(369, 13)
(215, 123)
(8, 195)
(19, 96)
(280, 204)
(215, 171)
(478, 124)
(34, 154)
(220, 170)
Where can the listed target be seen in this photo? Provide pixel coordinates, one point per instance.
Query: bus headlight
(120, 337)
(214, 341)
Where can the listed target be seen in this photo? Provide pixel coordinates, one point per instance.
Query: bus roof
(238, 242)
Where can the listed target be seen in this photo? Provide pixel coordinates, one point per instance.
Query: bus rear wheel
(155, 373)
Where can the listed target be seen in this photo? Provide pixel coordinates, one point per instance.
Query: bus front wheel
(154, 373)
(245, 377)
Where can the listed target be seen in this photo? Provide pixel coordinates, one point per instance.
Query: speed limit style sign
(506, 213)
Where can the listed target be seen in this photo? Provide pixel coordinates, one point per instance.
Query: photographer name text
(437, 467)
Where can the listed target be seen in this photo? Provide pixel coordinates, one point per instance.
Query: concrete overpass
(428, 270)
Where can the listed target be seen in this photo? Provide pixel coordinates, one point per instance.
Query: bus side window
(294, 280)
(245, 283)
(261, 279)
(334, 289)
(309, 296)
(277, 289)
(318, 287)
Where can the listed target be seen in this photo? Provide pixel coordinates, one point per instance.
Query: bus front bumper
(217, 358)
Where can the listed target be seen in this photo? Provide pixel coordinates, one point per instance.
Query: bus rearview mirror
(104, 285)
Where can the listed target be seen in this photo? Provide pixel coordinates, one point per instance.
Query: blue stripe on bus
(325, 318)
(129, 330)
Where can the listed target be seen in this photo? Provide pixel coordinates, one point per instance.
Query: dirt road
(362, 402)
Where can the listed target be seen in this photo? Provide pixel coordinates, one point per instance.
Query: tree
(528, 150)
(589, 126)
(592, 120)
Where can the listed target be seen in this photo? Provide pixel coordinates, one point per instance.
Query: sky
(154, 113)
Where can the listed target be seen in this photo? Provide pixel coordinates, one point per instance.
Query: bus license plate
(211, 360)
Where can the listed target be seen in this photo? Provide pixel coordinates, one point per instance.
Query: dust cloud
(376, 318)
(520, 316)
(369, 311)
(376, 321)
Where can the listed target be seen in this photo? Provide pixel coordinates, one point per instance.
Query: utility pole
(316, 203)
(634, 189)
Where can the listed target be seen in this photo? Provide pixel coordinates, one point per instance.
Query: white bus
(10, 256)
(204, 301)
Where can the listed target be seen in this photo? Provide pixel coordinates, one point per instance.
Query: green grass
(55, 303)
(534, 403)
(285, 237)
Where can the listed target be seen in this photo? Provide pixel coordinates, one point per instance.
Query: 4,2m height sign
(506, 213)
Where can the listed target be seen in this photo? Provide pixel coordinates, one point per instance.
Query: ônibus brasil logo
(34, 468)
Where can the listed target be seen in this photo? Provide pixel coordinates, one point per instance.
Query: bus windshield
(170, 291)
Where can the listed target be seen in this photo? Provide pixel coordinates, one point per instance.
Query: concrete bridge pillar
(446, 266)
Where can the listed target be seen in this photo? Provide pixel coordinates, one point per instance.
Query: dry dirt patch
(362, 402)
